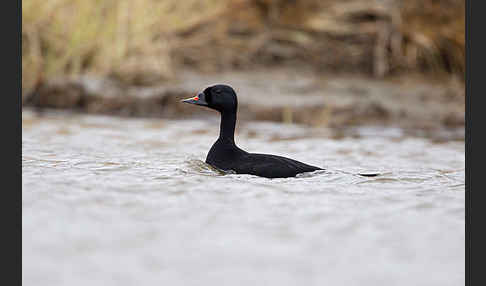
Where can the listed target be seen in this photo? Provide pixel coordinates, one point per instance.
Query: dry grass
(127, 39)
(434, 35)
(146, 41)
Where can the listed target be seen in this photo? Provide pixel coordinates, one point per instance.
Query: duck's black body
(224, 153)
(227, 156)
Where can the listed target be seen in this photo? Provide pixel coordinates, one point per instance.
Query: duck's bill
(198, 100)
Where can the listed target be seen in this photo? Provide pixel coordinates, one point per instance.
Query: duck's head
(220, 97)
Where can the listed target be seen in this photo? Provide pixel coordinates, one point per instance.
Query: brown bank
(281, 95)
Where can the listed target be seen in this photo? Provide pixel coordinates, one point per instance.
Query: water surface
(118, 201)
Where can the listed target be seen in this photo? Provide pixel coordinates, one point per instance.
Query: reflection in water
(113, 201)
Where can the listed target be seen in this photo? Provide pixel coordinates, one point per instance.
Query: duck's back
(271, 166)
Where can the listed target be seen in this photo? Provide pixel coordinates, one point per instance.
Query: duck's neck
(227, 126)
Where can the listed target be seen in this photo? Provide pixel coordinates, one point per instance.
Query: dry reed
(146, 41)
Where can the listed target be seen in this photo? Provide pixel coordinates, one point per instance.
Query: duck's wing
(272, 166)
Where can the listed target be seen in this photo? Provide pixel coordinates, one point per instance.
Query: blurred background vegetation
(146, 42)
